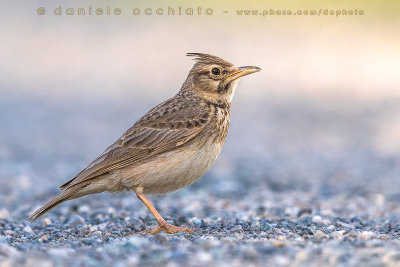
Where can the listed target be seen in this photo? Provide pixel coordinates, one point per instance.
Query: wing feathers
(160, 130)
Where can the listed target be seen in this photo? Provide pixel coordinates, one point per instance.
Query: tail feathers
(74, 191)
(65, 186)
(64, 196)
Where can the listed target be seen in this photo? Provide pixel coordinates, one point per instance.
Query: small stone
(380, 200)
(281, 238)
(96, 234)
(255, 226)
(367, 235)
(237, 228)
(327, 212)
(84, 209)
(102, 226)
(196, 221)
(344, 225)
(181, 220)
(292, 211)
(47, 221)
(264, 226)
(316, 219)
(304, 212)
(326, 222)
(261, 210)
(43, 238)
(239, 235)
(9, 232)
(4, 214)
(75, 221)
(111, 210)
(319, 234)
(331, 228)
(278, 244)
(353, 233)
(337, 234)
(160, 239)
(88, 241)
(28, 229)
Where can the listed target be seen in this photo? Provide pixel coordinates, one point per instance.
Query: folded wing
(162, 129)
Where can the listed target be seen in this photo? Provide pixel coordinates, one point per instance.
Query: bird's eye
(215, 71)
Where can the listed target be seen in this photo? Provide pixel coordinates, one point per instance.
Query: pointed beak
(243, 71)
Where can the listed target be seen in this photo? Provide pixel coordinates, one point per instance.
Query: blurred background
(322, 115)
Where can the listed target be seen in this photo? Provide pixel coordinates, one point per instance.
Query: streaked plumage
(171, 146)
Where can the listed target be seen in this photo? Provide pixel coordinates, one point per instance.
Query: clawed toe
(172, 229)
(162, 224)
(169, 228)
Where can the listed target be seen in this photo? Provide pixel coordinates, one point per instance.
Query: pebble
(96, 234)
(102, 226)
(316, 219)
(239, 235)
(196, 221)
(326, 222)
(84, 209)
(320, 234)
(337, 234)
(237, 228)
(94, 228)
(264, 226)
(28, 229)
(278, 243)
(331, 228)
(4, 214)
(9, 232)
(367, 235)
(304, 211)
(43, 238)
(75, 221)
(344, 225)
(47, 221)
(111, 211)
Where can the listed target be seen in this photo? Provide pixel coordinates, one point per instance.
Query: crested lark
(170, 147)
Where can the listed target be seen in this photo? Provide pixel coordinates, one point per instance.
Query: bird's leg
(163, 225)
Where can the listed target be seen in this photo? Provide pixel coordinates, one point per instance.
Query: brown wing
(163, 128)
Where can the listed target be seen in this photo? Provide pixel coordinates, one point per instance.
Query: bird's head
(213, 78)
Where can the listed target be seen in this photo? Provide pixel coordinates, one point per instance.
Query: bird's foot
(169, 228)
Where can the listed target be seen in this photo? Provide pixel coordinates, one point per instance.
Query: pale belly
(169, 171)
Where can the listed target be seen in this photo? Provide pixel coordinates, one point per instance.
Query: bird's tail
(68, 194)
(75, 191)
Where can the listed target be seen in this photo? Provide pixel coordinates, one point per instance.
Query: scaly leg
(163, 225)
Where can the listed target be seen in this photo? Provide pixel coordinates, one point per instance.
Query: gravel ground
(238, 222)
(306, 200)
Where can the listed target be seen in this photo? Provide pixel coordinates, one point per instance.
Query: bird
(170, 147)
